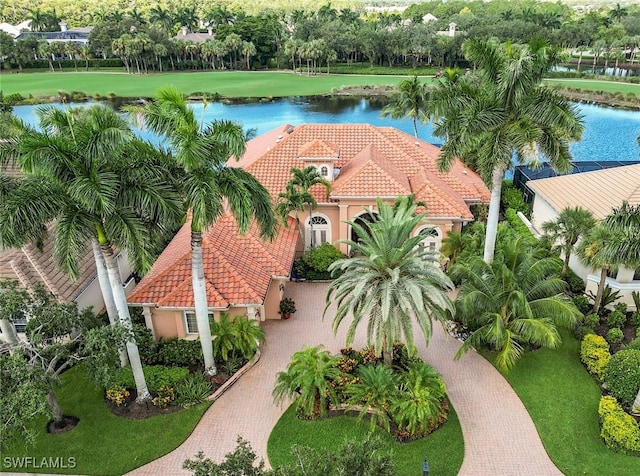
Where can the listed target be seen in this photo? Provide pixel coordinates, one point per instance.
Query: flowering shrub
(118, 395)
(165, 396)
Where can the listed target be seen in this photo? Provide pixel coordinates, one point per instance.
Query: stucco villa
(246, 275)
(600, 192)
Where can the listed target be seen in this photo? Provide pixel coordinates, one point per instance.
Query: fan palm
(411, 101)
(307, 379)
(202, 152)
(103, 188)
(393, 281)
(514, 301)
(567, 228)
(502, 111)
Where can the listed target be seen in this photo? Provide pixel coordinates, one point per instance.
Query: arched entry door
(364, 221)
(318, 231)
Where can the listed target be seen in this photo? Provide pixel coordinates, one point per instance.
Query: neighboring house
(78, 35)
(184, 35)
(15, 30)
(246, 275)
(600, 192)
(30, 266)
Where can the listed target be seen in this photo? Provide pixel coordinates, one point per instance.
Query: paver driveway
(499, 436)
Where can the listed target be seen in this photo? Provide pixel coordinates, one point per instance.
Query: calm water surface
(610, 134)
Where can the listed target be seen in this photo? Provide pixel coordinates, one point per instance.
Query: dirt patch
(68, 424)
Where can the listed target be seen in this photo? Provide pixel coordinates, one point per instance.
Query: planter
(286, 315)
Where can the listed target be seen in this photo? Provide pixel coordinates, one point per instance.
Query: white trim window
(321, 230)
(432, 238)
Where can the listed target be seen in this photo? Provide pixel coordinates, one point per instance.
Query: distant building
(76, 35)
(15, 30)
(184, 35)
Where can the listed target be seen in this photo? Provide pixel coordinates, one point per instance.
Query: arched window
(324, 171)
(318, 230)
(432, 238)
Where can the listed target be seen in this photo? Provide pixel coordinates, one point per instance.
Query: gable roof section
(369, 173)
(599, 191)
(319, 149)
(237, 268)
(271, 156)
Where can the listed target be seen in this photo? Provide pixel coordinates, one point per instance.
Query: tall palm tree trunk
(565, 265)
(200, 299)
(600, 291)
(125, 320)
(415, 127)
(9, 333)
(107, 294)
(494, 211)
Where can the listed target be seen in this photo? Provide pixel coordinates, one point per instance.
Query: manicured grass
(562, 399)
(444, 449)
(228, 83)
(225, 83)
(596, 85)
(102, 443)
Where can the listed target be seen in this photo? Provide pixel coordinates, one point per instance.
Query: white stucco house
(600, 192)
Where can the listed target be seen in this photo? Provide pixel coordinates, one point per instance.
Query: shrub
(623, 375)
(616, 319)
(146, 345)
(580, 331)
(581, 301)
(620, 431)
(179, 352)
(635, 319)
(576, 286)
(511, 197)
(614, 336)
(321, 257)
(634, 344)
(192, 390)
(594, 353)
(156, 376)
(164, 397)
(118, 394)
(233, 364)
(591, 320)
(620, 307)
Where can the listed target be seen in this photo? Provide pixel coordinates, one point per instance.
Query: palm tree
(393, 281)
(307, 379)
(514, 301)
(373, 393)
(567, 228)
(292, 201)
(618, 13)
(202, 152)
(411, 101)
(591, 251)
(624, 223)
(299, 191)
(500, 111)
(103, 188)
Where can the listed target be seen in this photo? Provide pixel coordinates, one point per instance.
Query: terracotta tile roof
(318, 148)
(367, 174)
(599, 191)
(238, 268)
(270, 160)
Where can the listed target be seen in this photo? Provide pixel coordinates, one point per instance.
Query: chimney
(210, 31)
(452, 29)
(183, 29)
(63, 26)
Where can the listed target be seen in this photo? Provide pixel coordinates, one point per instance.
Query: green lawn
(231, 84)
(103, 443)
(227, 83)
(562, 399)
(444, 449)
(596, 85)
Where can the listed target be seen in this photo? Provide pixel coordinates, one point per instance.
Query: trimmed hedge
(156, 376)
(623, 375)
(594, 353)
(620, 431)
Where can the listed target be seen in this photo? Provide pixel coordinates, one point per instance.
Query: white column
(146, 312)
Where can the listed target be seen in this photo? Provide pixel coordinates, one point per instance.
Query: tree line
(148, 38)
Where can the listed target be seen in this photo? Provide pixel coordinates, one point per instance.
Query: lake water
(610, 134)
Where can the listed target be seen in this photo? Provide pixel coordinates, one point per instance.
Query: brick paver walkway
(499, 436)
